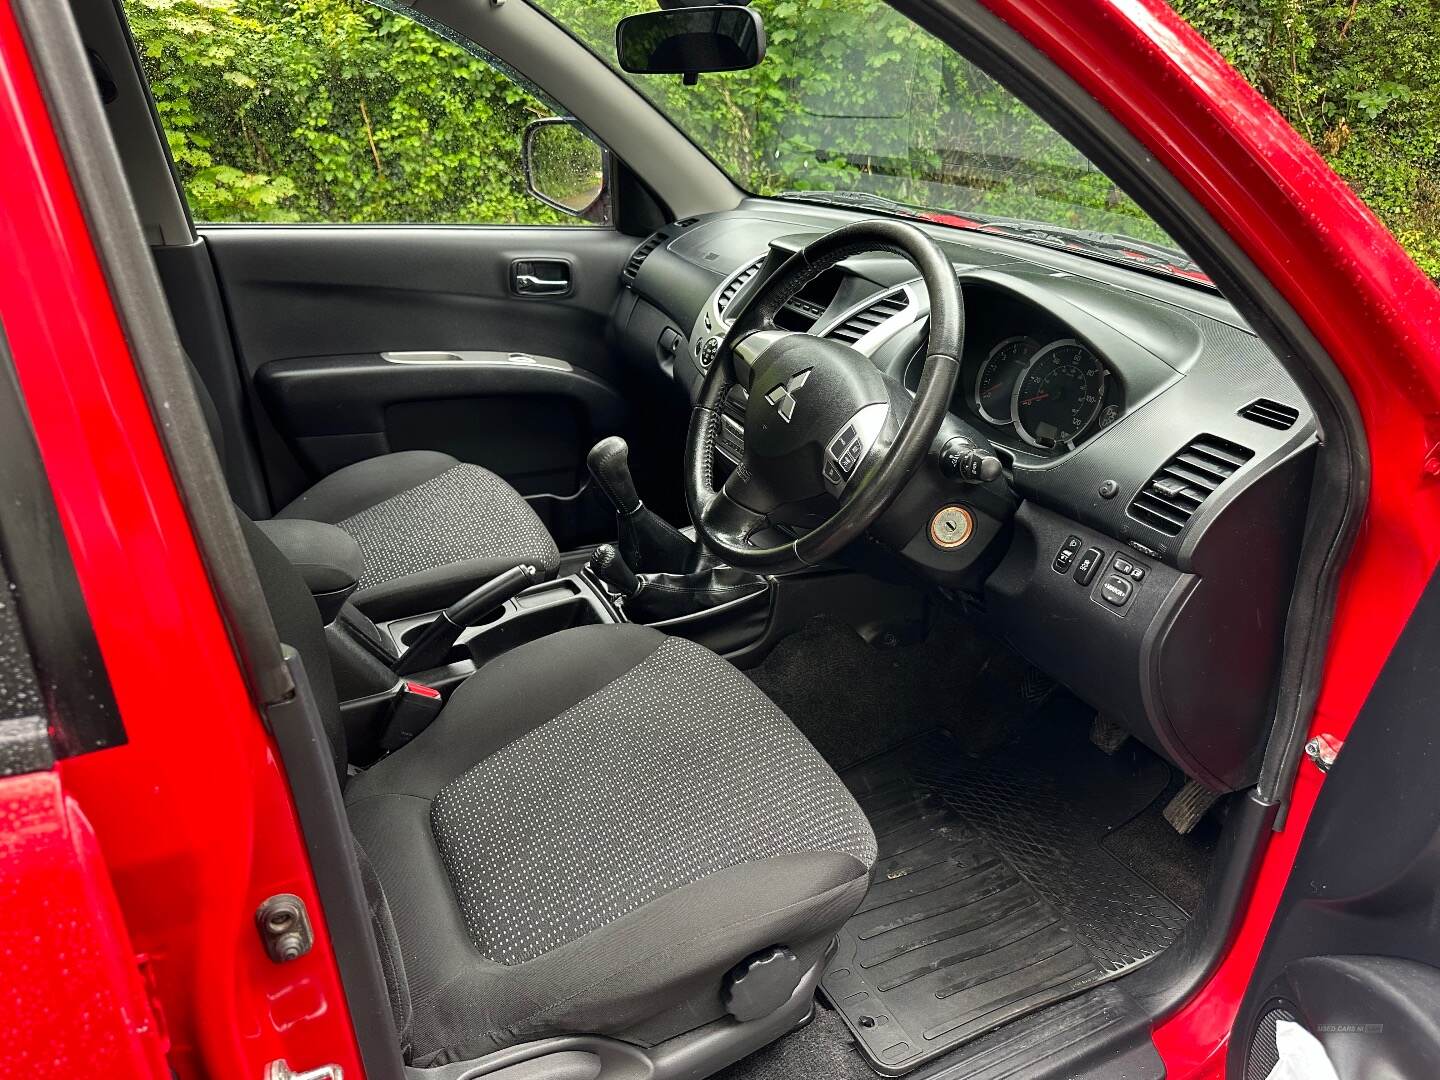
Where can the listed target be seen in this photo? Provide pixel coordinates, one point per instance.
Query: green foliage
(335, 111)
(1361, 81)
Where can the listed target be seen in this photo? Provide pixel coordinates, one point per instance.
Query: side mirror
(686, 41)
(565, 169)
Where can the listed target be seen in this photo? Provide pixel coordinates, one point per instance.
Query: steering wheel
(827, 436)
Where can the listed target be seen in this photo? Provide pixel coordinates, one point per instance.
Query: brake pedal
(1106, 735)
(1190, 804)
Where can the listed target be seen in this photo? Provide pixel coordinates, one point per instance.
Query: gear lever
(647, 542)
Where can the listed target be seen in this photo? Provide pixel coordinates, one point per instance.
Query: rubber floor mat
(992, 895)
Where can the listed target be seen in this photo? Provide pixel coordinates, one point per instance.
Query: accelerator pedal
(1190, 804)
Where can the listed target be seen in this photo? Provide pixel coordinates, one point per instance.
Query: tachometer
(995, 386)
(1059, 394)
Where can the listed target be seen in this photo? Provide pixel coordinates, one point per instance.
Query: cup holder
(538, 611)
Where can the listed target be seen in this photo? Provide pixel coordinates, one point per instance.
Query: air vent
(1272, 414)
(638, 255)
(685, 223)
(734, 285)
(1171, 497)
(869, 317)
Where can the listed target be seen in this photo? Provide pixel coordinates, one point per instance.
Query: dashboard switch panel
(1066, 555)
(1088, 565)
(1115, 590)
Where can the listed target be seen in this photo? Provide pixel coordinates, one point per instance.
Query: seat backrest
(297, 621)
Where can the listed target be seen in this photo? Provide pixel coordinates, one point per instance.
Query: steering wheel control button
(951, 527)
(1115, 590)
(1088, 565)
(851, 443)
(708, 351)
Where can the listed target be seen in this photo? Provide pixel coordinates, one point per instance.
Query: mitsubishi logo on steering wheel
(782, 395)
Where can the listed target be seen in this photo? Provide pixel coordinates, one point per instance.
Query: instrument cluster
(1051, 393)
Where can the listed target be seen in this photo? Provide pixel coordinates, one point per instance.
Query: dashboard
(1157, 456)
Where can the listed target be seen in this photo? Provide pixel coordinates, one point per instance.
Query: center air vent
(632, 267)
(869, 317)
(1171, 497)
(734, 285)
(1271, 413)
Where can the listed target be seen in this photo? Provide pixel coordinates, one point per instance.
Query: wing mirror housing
(687, 40)
(566, 169)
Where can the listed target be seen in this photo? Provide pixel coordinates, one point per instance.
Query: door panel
(516, 413)
(1354, 951)
(313, 310)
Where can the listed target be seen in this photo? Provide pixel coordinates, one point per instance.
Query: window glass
(854, 97)
(334, 111)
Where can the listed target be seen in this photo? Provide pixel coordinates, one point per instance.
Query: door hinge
(280, 1070)
(1322, 750)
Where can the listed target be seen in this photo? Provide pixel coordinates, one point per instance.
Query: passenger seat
(431, 527)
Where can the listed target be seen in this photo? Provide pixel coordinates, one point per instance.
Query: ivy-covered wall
(334, 110)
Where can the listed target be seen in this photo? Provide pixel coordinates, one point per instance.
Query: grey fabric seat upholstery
(431, 527)
(598, 826)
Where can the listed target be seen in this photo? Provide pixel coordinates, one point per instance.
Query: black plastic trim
(72, 682)
(69, 89)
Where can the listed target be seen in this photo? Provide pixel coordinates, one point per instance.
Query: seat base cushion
(431, 528)
(599, 826)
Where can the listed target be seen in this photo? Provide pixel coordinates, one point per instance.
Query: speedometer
(995, 386)
(1059, 394)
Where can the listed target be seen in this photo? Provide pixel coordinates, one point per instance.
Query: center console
(368, 658)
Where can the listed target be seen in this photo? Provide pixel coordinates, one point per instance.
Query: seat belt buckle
(414, 708)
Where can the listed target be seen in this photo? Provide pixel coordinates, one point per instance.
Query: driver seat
(597, 828)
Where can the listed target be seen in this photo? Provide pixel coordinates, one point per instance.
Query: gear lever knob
(609, 463)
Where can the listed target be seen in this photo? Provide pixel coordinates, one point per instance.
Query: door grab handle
(536, 286)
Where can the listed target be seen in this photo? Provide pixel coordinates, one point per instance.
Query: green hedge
(1361, 81)
(333, 110)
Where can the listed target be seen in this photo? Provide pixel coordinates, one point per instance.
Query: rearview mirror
(564, 168)
(687, 41)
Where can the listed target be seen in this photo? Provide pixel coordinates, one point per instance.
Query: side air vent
(1272, 414)
(1171, 497)
(734, 285)
(869, 317)
(632, 267)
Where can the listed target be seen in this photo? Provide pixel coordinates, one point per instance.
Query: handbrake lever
(431, 647)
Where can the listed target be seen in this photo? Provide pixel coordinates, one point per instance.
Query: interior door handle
(540, 277)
